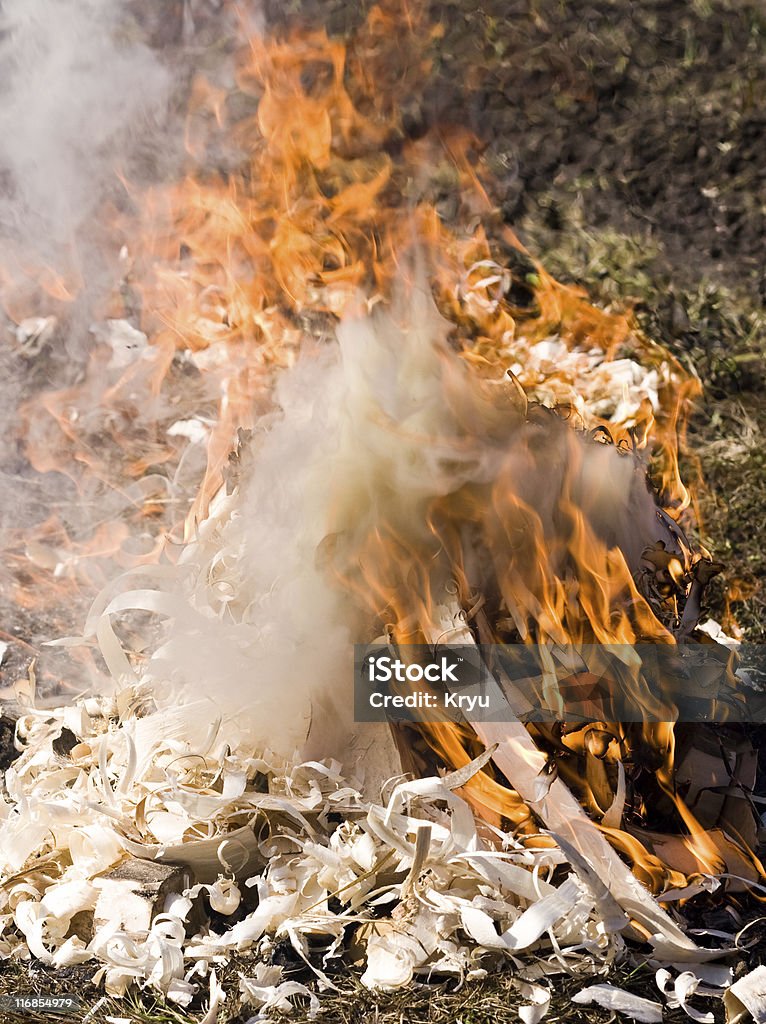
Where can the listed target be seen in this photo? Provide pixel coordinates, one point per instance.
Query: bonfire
(334, 418)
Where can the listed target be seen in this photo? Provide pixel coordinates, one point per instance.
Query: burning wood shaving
(598, 388)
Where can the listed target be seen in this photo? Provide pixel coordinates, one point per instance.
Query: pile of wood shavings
(276, 851)
(407, 885)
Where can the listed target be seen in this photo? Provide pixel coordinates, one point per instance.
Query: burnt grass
(626, 142)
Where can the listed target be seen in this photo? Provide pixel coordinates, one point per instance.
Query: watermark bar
(31, 1003)
(693, 682)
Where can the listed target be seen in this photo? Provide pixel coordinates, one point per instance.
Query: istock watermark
(419, 683)
(692, 682)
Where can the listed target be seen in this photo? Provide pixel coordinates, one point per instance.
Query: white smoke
(93, 97)
(256, 626)
(75, 96)
(258, 622)
(369, 433)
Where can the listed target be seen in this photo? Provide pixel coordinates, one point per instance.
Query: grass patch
(719, 333)
(493, 1000)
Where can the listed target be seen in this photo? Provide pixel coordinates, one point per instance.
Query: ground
(491, 1001)
(627, 141)
(633, 131)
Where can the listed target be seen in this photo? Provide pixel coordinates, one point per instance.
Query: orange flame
(227, 271)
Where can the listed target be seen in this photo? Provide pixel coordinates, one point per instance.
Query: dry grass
(491, 1001)
(719, 333)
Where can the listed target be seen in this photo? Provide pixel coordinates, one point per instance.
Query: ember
(329, 398)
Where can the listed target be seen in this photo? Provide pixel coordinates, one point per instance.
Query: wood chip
(746, 998)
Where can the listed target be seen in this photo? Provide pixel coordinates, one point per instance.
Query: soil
(649, 115)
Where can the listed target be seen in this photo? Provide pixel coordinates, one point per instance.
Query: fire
(555, 540)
